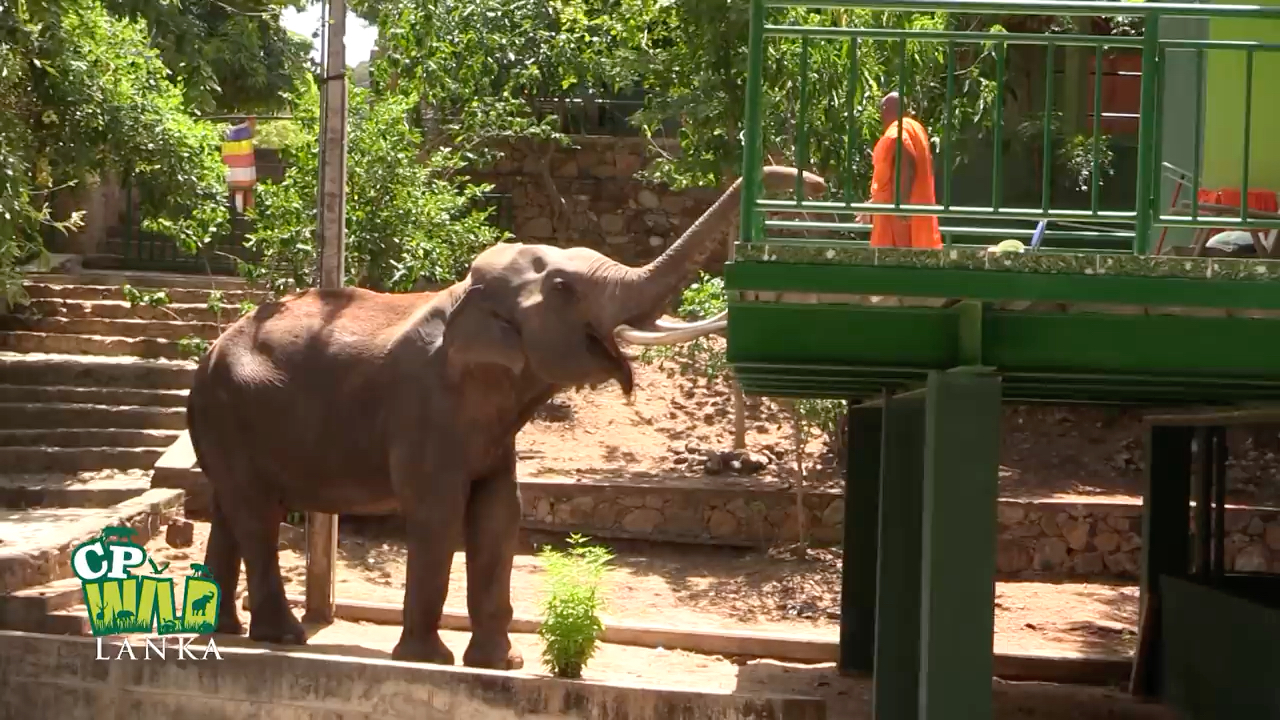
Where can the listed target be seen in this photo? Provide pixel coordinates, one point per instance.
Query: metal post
(1146, 189)
(861, 539)
(322, 529)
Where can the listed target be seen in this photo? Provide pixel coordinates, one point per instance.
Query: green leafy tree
(410, 216)
(228, 55)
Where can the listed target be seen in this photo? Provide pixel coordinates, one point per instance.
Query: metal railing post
(1151, 78)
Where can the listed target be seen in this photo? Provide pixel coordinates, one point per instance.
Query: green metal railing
(1092, 229)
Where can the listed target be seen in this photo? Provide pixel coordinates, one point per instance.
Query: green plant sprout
(571, 624)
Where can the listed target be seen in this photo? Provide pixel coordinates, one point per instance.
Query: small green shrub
(571, 623)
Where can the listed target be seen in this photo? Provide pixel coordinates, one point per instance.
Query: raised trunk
(639, 294)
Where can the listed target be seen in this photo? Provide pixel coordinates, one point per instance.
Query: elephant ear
(476, 333)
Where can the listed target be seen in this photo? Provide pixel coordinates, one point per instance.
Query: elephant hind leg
(492, 534)
(254, 518)
(222, 557)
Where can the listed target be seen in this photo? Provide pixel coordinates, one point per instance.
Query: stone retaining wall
(1094, 539)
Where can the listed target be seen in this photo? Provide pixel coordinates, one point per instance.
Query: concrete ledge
(44, 676)
(47, 556)
(1074, 669)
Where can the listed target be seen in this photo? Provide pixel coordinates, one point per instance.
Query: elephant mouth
(607, 351)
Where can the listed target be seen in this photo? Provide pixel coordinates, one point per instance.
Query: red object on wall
(1121, 91)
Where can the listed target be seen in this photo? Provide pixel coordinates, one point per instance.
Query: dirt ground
(726, 588)
(675, 419)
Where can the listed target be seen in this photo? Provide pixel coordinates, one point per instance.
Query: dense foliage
(410, 216)
(93, 101)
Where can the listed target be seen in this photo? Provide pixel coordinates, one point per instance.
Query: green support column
(861, 546)
(958, 548)
(1166, 541)
(897, 650)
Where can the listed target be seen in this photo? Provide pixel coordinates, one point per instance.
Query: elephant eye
(563, 287)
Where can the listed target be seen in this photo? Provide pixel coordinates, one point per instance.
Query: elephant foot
(492, 655)
(428, 650)
(283, 631)
(229, 625)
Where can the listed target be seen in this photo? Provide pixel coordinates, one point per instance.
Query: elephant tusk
(684, 334)
(668, 325)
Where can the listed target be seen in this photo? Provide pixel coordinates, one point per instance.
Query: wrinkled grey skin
(351, 401)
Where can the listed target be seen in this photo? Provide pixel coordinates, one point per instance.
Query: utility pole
(322, 529)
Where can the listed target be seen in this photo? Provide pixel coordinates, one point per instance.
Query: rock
(543, 508)
(642, 520)
(1273, 536)
(1089, 563)
(631, 501)
(1236, 520)
(738, 507)
(292, 538)
(628, 164)
(1025, 530)
(617, 239)
(1013, 556)
(1252, 559)
(566, 169)
(722, 524)
(648, 199)
(656, 241)
(539, 228)
(1120, 524)
(1051, 554)
(1256, 526)
(673, 204)
(1011, 513)
(754, 462)
(1049, 524)
(1077, 533)
(653, 501)
(1106, 542)
(180, 533)
(1131, 542)
(713, 465)
(834, 514)
(612, 224)
(554, 410)
(1121, 563)
(604, 171)
(581, 508)
(605, 516)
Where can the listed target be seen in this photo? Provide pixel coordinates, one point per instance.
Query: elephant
(351, 401)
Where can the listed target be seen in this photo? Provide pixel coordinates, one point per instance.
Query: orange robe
(915, 231)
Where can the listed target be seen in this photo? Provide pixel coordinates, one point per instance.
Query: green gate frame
(1093, 317)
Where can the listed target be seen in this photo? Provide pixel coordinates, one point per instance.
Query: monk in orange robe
(911, 231)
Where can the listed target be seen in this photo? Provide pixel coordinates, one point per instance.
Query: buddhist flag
(237, 155)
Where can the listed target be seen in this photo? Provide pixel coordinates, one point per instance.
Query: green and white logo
(123, 602)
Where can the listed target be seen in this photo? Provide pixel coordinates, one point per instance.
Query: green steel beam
(861, 544)
(895, 687)
(958, 558)
(997, 285)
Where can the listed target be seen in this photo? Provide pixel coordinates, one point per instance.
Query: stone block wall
(1094, 539)
(598, 201)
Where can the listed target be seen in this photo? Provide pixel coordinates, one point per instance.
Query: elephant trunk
(637, 296)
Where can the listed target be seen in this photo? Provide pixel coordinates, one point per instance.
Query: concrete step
(55, 608)
(40, 342)
(63, 438)
(61, 459)
(141, 279)
(113, 371)
(38, 542)
(27, 416)
(92, 395)
(167, 329)
(121, 310)
(230, 298)
(89, 489)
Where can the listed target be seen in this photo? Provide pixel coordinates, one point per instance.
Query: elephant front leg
(492, 532)
(433, 526)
